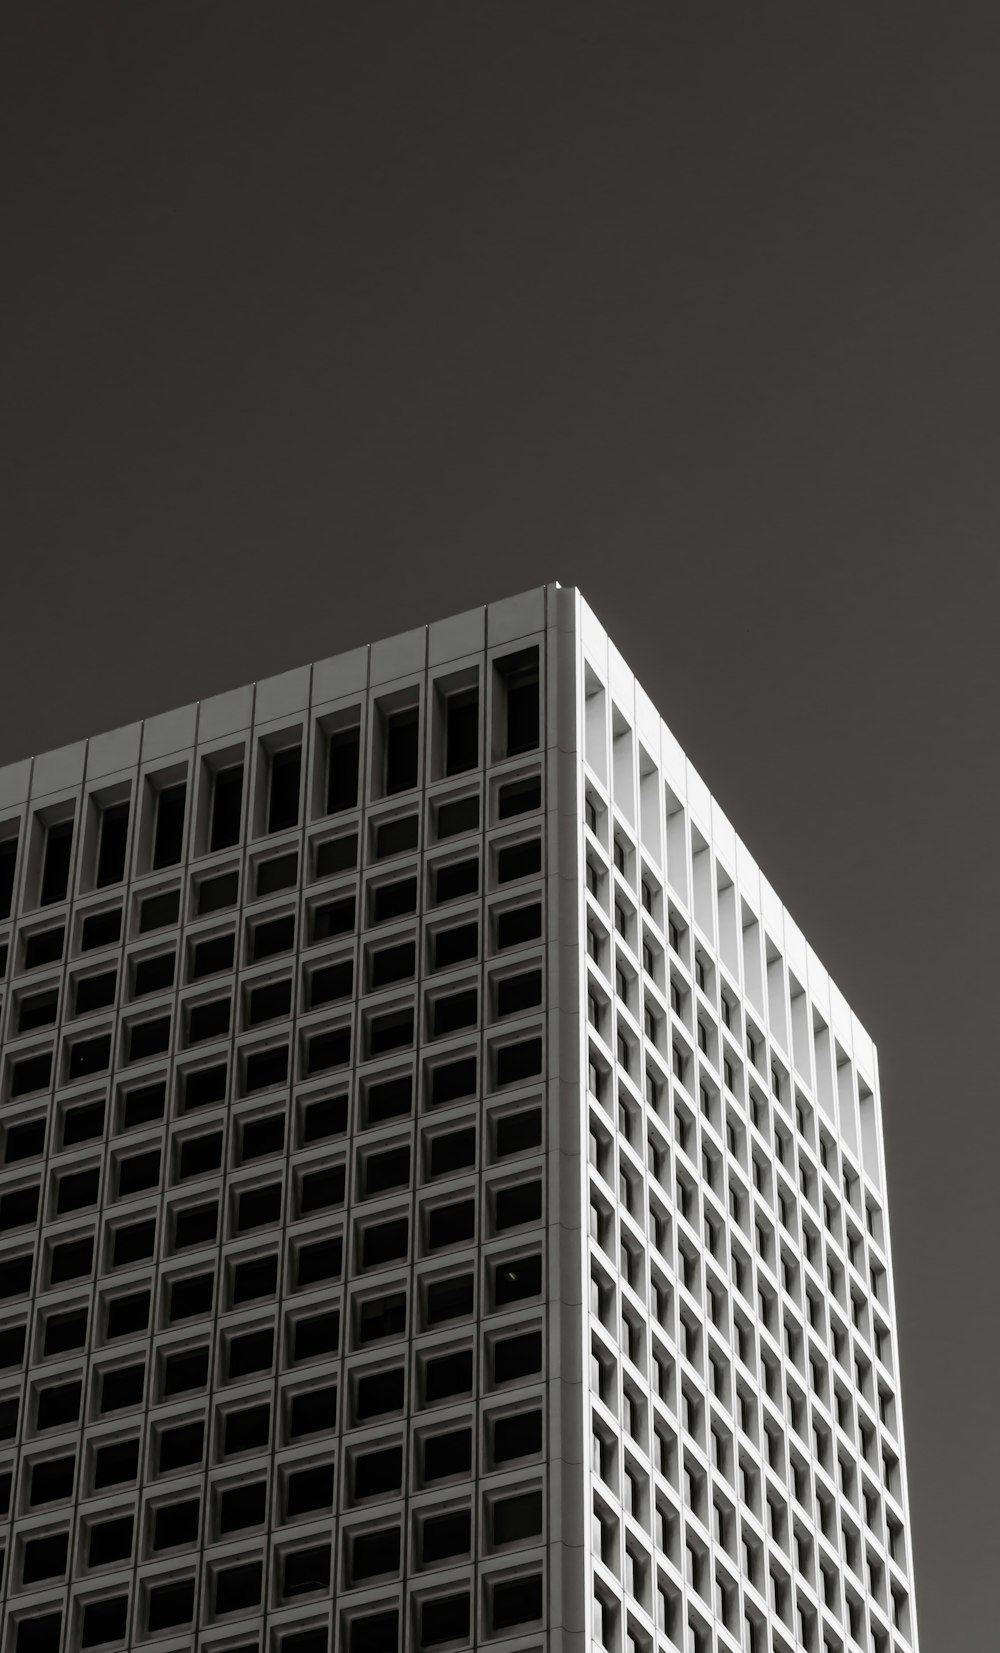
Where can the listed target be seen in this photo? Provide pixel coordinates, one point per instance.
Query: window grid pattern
(746, 1485)
(273, 1227)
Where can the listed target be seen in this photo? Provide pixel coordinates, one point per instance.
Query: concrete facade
(442, 1198)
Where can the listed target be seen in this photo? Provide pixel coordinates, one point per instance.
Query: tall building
(442, 1195)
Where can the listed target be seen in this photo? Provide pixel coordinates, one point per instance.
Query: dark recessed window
(381, 1317)
(148, 1039)
(391, 964)
(461, 815)
(254, 1279)
(519, 797)
(519, 925)
(71, 1260)
(456, 879)
(331, 983)
(18, 1206)
(379, 1392)
(461, 731)
(100, 930)
(396, 837)
(517, 1357)
(444, 1536)
(251, 1352)
(309, 1489)
(95, 992)
(517, 1601)
(329, 1050)
(168, 831)
(110, 1541)
(25, 1140)
(449, 1299)
(279, 873)
(200, 1155)
(519, 861)
(324, 1118)
(448, 1375)
(216, 894)
(133, 1243)
(283, 798)
(445, 1619)
(204, 1086)
(238, 1589)
(153, 975)
(128, 1315)
(122, 1387)
(520, 1203)
(456, 945)
(77, 1189)
(517, 1062)
(184, 1371)
(170, 1605)
(227, 807)
(83, 1123)
(387, 1170)
(209, 1021)
(342, 770)
(449, 1225)
(333, 918)
(111, 851)
(116, 1463)
(519, 1133)
(137, 1172)
(455, 1011)
(269, 1002)
(38, 1010)
(384, 1242)
(212, 956)
(31, 1073)
(52, 1480)
(391, 1031)
(196, 1225)
(45, 1558)
(402, 745)
(519, 676)
(517, 1435)
(44, 947)
(378, 1473)
(243, 1506)
(395, 900)
(335, 855)
(450, 1081)
(56, 862)
(259, 1138)
(518, 993)
(59, 1405)
(388, 1099)
(8, 862)
(452, 1151)
(258, 1207)
(181, 1446)
(276, 936)
(176, 1524)
(321, 1260)
(158, 911)
(516, 1279)
(313, 1412)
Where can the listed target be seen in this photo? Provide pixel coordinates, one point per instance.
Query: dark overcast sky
(322, 321)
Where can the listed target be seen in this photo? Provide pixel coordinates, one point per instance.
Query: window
(283, 790)
(111, 845)
(517, 703)
(401, 734)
